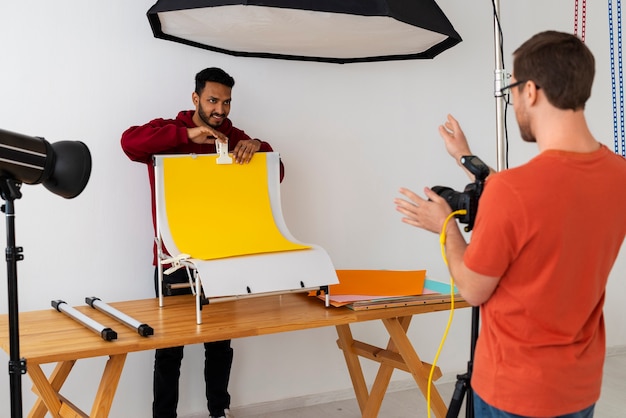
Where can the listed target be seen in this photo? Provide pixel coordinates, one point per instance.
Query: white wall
(349, 135)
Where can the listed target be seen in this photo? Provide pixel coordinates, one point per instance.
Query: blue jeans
(483, 410)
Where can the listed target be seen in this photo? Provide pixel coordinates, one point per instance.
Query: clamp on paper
(176, 262)
(222, 151)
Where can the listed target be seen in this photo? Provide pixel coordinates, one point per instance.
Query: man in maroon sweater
(193, 132)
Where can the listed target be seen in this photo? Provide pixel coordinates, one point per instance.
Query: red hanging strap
(583, 22)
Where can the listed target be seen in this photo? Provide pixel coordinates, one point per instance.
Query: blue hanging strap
(621, 75)
(620, 144)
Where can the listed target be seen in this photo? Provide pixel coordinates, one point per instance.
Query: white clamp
(176, 262)
(222, 151)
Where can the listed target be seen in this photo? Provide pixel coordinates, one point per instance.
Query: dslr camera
(468, 199)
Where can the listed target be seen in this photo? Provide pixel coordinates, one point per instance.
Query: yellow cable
(442, 241)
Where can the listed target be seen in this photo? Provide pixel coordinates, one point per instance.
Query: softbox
(343, 31)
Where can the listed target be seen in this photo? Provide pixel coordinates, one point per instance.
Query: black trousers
(218, 358)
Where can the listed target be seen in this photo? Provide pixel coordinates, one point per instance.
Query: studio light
(336, 31)
(63, 167)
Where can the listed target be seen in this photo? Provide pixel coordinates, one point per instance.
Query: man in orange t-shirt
(546, 236)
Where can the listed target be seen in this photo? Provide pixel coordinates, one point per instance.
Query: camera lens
(452, 197)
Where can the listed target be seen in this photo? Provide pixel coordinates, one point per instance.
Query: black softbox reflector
(316, 30)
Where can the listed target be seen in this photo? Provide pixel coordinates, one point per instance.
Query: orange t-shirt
(551, 230)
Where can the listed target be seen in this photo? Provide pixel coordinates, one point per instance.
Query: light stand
(10, 190)
(63, 168)
(463, 386)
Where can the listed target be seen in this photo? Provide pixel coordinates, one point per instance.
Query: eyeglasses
(506, 90)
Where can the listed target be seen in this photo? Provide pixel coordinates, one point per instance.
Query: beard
(524, 126)
(526, 133)
(207, 118)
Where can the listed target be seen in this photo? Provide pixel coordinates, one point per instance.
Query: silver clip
(222, 153)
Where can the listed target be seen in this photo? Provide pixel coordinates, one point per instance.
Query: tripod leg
(463, 385)
(469, 404)
(460, 390)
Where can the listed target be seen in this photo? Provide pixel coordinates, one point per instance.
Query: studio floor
(410, 403)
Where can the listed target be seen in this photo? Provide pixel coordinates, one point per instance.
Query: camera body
(468, 199)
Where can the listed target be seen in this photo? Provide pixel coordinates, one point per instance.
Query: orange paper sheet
(379, 282)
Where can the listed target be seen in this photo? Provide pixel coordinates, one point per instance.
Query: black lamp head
(63, 167)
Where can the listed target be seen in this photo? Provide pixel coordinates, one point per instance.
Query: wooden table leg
(399, 354)
(418, 370)
(48, 395)
(51, 401)
(383, 377)
(57, 378)
(354, 365)
(108, 386)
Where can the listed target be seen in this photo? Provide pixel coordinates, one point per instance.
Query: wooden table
(48, 336)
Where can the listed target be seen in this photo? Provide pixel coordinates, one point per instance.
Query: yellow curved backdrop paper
(221, 210)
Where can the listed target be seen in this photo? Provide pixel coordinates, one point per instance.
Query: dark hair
(561, 64)
(213, 74)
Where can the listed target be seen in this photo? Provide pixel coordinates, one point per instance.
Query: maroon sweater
(169, 136)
